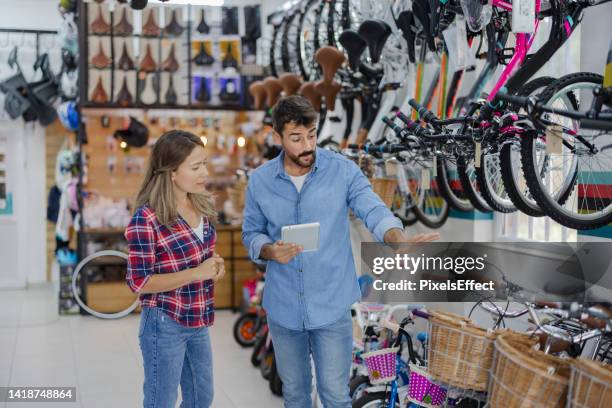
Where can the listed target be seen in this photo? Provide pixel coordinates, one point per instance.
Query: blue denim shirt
(315, 288)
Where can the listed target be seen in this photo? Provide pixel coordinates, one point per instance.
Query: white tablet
(306, 235)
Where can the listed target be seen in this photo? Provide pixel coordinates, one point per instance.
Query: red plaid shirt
(153, 248)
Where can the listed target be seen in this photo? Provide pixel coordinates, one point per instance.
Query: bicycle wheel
(429, 206)
(583, 160)
(357, 387)
(490, 182)
(288, 44)
(466, 170)
(244, 329)
(375, 400)
(510, 160)
(305, 40)
(450, 186)
(402, 201)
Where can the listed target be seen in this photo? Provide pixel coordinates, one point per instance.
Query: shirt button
(301, 270)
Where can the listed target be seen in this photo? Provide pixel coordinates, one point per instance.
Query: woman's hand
(220, 269)
(209, 269)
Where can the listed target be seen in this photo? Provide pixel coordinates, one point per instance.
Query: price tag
(523, 16)
(391, 168)
(435, 166)
(477, 154)
(554, 139)
(402, 182)
(425, 179)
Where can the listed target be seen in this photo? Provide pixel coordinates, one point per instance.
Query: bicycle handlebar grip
(404, 118)
(392, 125)
(513, 99)
(424, 114)
(485, 112)
(420, 313)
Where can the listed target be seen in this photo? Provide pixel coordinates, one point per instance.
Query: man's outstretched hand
(398, 236)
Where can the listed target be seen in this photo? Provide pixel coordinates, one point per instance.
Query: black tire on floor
(239, 327)
(257, 349)
(276, 384)
(357, 385)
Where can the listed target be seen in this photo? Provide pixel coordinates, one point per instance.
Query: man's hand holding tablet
(295, 239)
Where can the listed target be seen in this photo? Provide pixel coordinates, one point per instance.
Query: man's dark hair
(294, 108)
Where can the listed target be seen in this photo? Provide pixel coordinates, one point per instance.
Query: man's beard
(297, 159)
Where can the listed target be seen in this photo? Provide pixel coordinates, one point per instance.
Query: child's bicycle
(252, 319)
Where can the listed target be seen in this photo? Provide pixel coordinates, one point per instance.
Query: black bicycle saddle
(420, 9)
(375, 33)
(203, 28)
(354, 45)
(404, 22)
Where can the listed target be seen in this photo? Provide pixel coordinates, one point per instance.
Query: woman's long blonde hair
(170, 150)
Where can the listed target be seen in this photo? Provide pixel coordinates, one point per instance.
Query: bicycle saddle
(290, 83)
(125, 62)
(148, 92)
(330, 59)
(170, 64)
(404, 22)
(329, 92)
(273, 89)
(308, 91)
(203, 57)
(123, 27)
(354, 46)
(203, 28)
(420, 9)
(174, 28)
(150, 27)
(101, 60)
(258, 92)
(170, 96)
(124, 97)
(148, 63)
(228, 59)
(99, 25)
(99, 95)
(375, 34)
(202, 95)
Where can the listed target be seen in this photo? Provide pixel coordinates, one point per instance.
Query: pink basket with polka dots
(422, 391)
(381, 365)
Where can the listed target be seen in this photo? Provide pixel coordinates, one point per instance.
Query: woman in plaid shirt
(173, 267)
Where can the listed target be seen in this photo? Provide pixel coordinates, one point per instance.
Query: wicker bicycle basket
(523, 377)
(385, 188)
(590, 384)
(461, 353)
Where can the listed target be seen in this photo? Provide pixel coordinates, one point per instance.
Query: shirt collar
(280, 164)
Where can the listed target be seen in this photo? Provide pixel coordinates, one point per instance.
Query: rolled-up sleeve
(368, 206)
(254, 233)
(140, 237)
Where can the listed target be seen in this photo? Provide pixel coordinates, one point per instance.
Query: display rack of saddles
(166, 56)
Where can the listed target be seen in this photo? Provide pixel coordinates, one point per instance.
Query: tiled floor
(102, 358)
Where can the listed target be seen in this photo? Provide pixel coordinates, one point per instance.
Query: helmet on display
(68, 6)
(68, 115)
(69, 84)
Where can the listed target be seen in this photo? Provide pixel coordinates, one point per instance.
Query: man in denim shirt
(308, 295)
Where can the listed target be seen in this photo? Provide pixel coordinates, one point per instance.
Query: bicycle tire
(302, 58)
(447, 192)
(551, 207)
(238, 329)
(285, 52)
(486, 189)
(257, 347)
(275, 382)
(475, 197)
(507, 170)
(372, 399)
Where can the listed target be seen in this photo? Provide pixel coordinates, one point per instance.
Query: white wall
(23, 236)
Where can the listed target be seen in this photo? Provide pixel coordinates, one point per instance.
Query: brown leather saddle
(330, 59)
(99, 94)
(273, 89)
(290, 82)
(258, 92)
(125, 63)
(171, 64)
(148, 63)
(308, 91)
(150, 27)
(174, 28)
(101, 60)
(123, 27)
(124, 97)
(99, 25)
(329, 91)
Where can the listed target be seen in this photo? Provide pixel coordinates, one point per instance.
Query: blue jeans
(331, 349)
(174, 354)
